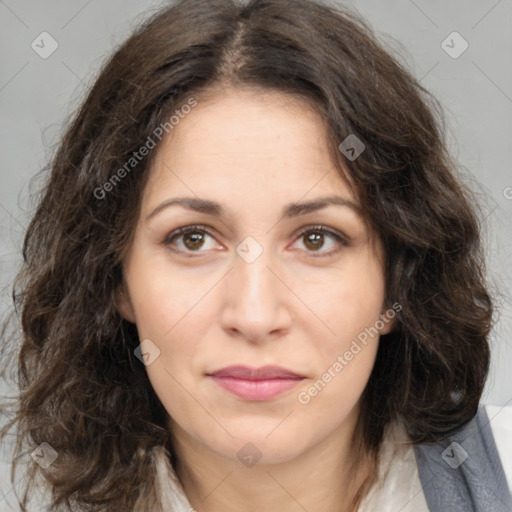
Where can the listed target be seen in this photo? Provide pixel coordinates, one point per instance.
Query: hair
(82, 390)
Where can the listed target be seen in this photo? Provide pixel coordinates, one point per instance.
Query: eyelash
(310, 229)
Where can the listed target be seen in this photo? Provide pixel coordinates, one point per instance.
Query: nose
(255, 300)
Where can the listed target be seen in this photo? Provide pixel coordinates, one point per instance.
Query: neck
(327, 477)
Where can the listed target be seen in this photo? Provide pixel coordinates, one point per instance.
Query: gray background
(37, 96)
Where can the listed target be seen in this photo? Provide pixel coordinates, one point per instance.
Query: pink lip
(256, 383)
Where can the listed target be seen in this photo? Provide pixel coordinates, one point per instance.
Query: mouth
(256, 384)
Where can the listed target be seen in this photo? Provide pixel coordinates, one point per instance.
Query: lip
(257, 384)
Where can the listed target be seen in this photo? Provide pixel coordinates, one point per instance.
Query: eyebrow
(289, 211)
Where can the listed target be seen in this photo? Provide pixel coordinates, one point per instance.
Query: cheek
(164, 296)
(171, 311)
(332, 397)
(348, 301)
(346, 355)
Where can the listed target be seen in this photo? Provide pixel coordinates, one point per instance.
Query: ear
(124, 304)
(388, 318)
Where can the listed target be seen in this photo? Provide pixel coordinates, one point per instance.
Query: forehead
(247, 144)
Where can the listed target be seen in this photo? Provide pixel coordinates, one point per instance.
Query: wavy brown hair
(82, 390)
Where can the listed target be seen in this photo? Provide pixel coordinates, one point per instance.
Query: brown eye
(192, 238)
(315, 239)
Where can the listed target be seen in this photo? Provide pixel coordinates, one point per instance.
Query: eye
(315, 239)
(192, 237)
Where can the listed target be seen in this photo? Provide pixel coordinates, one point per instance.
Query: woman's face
(259, 287)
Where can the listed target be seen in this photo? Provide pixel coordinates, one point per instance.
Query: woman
(255, 282)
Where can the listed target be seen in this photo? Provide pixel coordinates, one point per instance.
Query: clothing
(398, 487)
(463, 471)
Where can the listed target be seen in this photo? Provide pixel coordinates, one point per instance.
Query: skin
(206, 307)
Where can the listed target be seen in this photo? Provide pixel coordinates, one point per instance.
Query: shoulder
(397, 486)
(468, 470)
(500, 421)
(473, 463)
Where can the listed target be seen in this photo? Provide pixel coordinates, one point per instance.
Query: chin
(257, 443)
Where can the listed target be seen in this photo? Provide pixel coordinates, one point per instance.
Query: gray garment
(463, 473)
